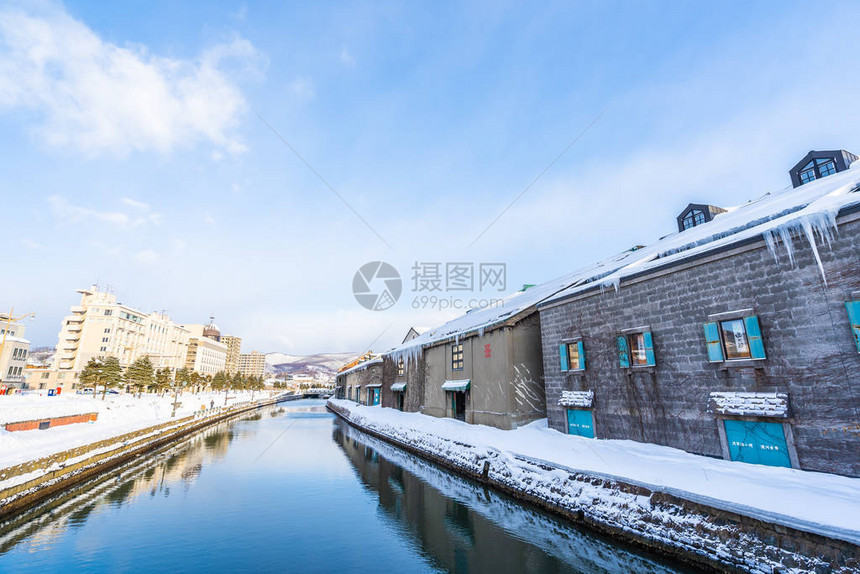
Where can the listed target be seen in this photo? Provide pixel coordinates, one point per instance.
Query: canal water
(293, 489)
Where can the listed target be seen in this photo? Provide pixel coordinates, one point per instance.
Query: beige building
(101, 327)
(234, 349)
(207, 355)
(252, 364)
(13, 352)
(42, 378)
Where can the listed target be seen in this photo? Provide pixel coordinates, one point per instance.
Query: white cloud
(147, 257)
(30, 244)
(303, 88)
(66, 212)
(346, 57)
(101, 98)
(136, 204)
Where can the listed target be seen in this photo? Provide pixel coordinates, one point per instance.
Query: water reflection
(177, 466)
(464, 527)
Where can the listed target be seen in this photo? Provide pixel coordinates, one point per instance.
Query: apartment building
(234, 349)
(252, 364)
(100, 326)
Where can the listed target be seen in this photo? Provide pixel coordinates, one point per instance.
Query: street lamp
(176, 403)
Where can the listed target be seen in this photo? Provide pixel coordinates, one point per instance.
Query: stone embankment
(692, 531)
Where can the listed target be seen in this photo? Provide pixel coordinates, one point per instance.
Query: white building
(13, 352)
(102, 327)
(207, 355)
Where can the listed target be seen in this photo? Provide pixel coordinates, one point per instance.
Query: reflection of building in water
(469, 528)
(178, 466)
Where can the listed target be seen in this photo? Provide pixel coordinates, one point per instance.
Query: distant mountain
(40, 356)
(322, 363)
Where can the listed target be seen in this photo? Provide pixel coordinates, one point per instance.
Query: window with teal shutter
(754, 336)
(853, 308)
(650, 360)
(562, 353)
(581, 348)
(623, 353)
(715, 347)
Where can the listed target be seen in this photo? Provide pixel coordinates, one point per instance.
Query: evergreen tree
(197, 380)
(111, 374)
(163, 379)
(183, 377)
(91, 375)
(140, 374)
(238, 381)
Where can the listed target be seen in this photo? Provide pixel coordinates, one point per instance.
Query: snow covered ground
(808, 500)
(118, 414)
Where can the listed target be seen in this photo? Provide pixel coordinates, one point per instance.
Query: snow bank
(815, 502)
(118, 414)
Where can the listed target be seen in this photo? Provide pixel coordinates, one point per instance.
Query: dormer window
(693, 218)
(817, 169)
(818, 164)
(697, 214)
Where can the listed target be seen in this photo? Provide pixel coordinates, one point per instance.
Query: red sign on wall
(487, 351)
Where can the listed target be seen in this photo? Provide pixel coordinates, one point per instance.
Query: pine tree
(163, 378)
(183, 377)
(91, 375)
(111, 374)
(140, 374)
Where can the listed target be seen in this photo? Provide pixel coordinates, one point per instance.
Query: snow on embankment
(624, 484)
(117, 415)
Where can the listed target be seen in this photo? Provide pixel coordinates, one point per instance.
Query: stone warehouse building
(737, 337)
(361, 380)
(484, 367)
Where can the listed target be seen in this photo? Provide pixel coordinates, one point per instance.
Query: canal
(292, 488)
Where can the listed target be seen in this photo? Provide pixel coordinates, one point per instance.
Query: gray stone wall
(371, 374)
(810, 349)
(413, 376)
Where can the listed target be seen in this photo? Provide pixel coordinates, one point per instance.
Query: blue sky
(132, 152)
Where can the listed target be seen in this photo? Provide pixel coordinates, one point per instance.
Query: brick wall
(811, 353)
(51, 422)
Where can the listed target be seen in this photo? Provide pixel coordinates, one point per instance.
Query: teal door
(580, 423)
(757, 442)
(375, 397)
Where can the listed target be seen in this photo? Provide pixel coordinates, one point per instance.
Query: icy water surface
(293, 489)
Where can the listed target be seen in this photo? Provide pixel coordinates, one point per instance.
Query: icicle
(810, 236)
(770, 241)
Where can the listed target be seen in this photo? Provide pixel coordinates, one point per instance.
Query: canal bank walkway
(548, 465)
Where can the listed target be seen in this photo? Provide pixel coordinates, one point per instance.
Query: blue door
(375, 398)
(757, 442)
(580, 423)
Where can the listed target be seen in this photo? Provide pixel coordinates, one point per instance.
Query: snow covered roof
(808, 212)
(749, 404)
(456, 385)
(398, 387)
(581, 399)
(361, 365)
